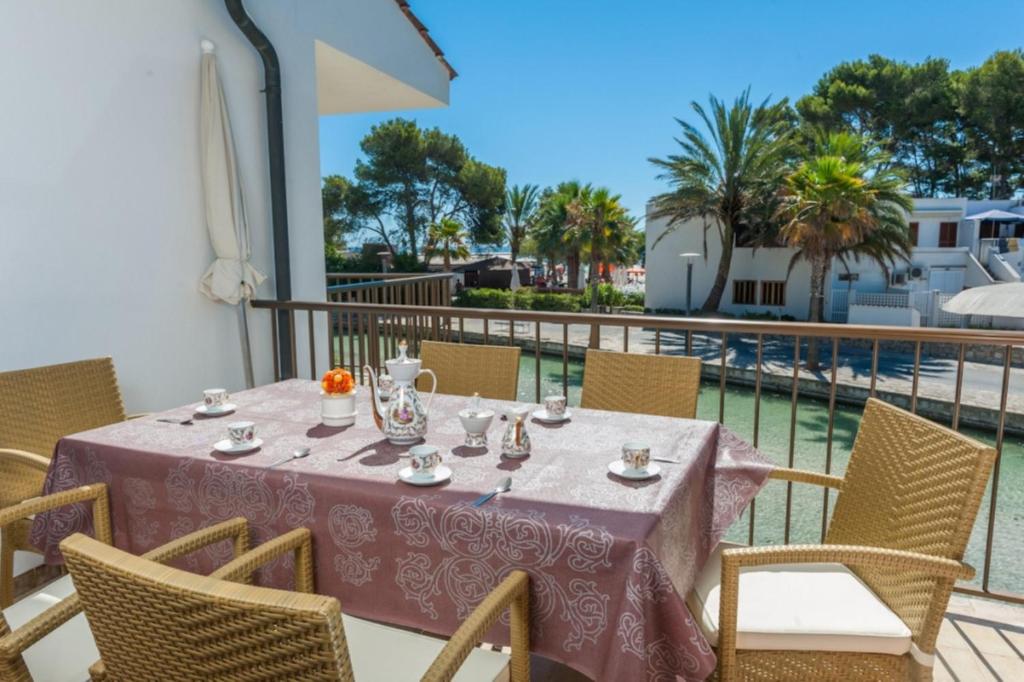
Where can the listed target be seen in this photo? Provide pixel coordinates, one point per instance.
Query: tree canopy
(958, 133)
(413, 178)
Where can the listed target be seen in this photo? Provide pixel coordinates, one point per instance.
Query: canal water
(1007, 571)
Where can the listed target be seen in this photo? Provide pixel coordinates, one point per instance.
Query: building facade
(953, 249)
(102, 231)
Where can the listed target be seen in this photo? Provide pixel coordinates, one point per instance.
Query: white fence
(927, 303)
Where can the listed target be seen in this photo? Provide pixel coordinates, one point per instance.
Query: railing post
(374, 340)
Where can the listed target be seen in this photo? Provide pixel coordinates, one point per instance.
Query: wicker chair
(152, 622)
(867, 604)
(43, 636)
(38, 407)
(464, 369)
(641, 384)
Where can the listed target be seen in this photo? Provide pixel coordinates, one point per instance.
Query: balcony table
(611, 561)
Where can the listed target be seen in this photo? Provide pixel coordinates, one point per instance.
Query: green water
(1007, 568)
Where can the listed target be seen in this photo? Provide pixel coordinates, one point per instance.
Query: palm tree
(723, 175)
(549, 228)
(448, 239)
(598, 222)
(844, 201)
(520, 213)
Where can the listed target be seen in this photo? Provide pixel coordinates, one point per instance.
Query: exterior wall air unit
(917, 272)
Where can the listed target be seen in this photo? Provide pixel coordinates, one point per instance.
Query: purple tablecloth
(610, 561)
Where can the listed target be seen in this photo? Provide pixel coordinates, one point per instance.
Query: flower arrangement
(338, 381)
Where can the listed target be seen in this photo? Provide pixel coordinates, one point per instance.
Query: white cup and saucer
(554, 410)
(241, 439)
(635, 463)
(216, 403)
(425, 467)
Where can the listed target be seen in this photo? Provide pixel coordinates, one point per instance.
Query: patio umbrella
(516, 284)
(231, 278)
(995, 300)
(1002, 216)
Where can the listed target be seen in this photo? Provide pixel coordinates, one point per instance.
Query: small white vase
(338, 410)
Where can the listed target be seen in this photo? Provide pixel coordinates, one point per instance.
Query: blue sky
(553, 90)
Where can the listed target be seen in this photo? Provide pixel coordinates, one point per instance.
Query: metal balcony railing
(366, 325)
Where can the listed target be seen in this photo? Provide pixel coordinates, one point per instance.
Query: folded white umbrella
(995, 300)
(231, 278)
(515, 283)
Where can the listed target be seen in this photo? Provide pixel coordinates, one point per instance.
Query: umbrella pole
(243, 322)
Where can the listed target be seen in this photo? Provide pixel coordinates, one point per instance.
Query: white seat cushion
(385, 654)
(800, 607)
(26, 561)
(65, 654)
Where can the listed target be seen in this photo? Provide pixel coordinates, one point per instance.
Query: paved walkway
(982, 382)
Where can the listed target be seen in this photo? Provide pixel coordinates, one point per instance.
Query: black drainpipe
(278, 200)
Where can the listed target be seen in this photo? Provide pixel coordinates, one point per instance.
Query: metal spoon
(504, 485)
(298, 454)
(182, 422)
(666, 459)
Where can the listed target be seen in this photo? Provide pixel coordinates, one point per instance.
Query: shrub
(522, 299)
(634, 298)
(338, 261)
(568, 303)
(484, 298)
(607, 295)
(765, 315)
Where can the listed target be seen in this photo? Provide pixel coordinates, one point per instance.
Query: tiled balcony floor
(981, 640)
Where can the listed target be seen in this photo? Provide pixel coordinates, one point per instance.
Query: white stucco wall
(102, 236)
(890, 317)
(666, 271)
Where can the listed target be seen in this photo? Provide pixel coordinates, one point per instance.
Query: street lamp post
(689, 258)
(385, 259)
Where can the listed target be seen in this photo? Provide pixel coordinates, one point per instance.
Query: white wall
(892, 317)
(666, 271)
(102, 236)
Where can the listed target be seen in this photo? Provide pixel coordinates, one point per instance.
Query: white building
(953, 250)
(102, 232)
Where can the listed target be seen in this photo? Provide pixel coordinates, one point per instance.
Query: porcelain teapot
(403, 419)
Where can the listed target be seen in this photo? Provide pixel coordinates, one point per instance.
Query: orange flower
(337, 382)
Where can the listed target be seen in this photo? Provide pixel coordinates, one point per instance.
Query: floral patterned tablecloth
(610, 560)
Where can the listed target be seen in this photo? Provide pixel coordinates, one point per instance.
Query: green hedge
(484, 298)
(523, 299)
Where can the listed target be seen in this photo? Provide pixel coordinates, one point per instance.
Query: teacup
(424, 459)
(555, 405)
(241, 433)
(636, 455)
(215, 398)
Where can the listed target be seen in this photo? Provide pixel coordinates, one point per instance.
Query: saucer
(618, 467)
(542, 415)
(226, 408)
(440, 475)
(229, 448)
